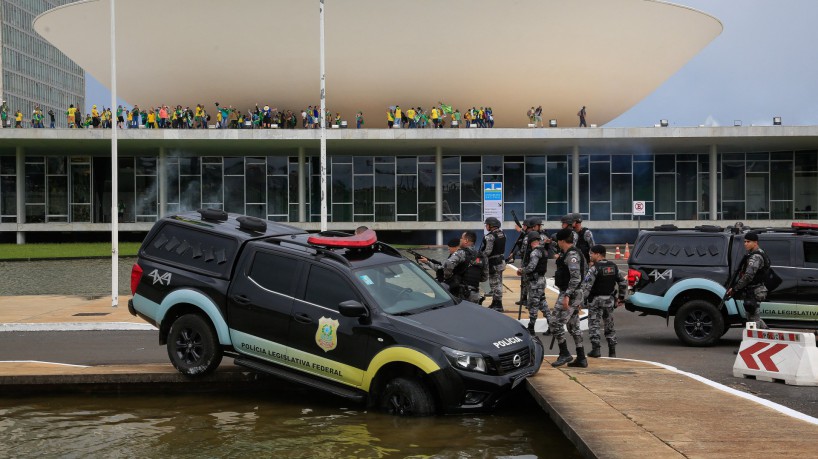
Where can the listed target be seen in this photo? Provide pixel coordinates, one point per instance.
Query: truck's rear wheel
(698, 323)
(407, 397)
(193, 347)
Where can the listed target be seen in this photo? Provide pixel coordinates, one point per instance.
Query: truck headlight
(465, 360)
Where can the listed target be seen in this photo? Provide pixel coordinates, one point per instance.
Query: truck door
(260, 303)
(808, 280)
(331, 345)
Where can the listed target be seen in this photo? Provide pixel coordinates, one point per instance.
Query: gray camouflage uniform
(496, 278)
(560, 318)
(456, 259)
(601, 307)
(535, 284)
(753, 295)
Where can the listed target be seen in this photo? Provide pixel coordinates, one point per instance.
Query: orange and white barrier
(618, 255)
(777, 355)
(627, 251)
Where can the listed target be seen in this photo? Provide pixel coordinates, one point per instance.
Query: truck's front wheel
(193, 347)
(407, 397)
(698, 323)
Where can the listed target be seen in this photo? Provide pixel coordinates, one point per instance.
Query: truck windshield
(402, 287)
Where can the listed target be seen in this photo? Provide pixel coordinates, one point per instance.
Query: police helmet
(535, 221)
(493, 222)
(567, 219)
(576, 218)
(532, 236)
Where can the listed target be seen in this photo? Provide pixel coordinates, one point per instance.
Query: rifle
(520, 237)
(730, 283)
(418, 256)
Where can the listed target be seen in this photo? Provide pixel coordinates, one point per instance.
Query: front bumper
(463, 391)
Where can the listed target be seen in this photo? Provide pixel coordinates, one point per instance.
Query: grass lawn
(70, 250)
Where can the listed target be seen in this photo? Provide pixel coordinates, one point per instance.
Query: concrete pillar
(302, 189)
(714, 183)
(575, 179)
(439, 192)
(21, 194)
(163, 182)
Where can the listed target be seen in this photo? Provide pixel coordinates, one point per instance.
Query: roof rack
(211, 214)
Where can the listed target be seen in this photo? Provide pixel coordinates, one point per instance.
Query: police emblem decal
(326, 336)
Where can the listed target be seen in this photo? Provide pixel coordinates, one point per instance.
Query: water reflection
(295, 424)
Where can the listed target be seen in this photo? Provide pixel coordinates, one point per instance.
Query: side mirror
(352, 308)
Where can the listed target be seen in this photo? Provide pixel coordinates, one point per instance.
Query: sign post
(638, 211)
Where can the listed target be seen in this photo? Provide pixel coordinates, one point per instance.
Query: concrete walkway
(615, 408)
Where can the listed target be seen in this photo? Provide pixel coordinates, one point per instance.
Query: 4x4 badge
(326, 337)
(163, 279)
(666, 274)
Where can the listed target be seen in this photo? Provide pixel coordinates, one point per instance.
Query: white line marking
(48, 363)
(780, 408)
(76, 326)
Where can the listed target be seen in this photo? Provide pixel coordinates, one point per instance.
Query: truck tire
(193, 347)
(698, 323)
(407, 397)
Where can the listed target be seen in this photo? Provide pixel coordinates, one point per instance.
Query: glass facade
(34, 72)
(780, 185)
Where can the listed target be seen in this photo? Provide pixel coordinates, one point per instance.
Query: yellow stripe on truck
(397, 354)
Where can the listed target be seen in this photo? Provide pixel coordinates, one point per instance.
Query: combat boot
(611, 349)
(531, 326)
(564, 357)
(580, 361)
(497, 305)
(595, 350)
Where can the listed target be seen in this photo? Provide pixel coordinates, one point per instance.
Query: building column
(714, 183)
(21, 194)
(575, 179)
(439, 192)
(163, 182)
(302, 189)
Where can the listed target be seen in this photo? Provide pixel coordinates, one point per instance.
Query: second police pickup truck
(340, 313)
(685, 273)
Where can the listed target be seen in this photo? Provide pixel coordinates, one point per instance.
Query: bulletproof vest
(761, 274)
(542, 264)
(563, 275)
(583, 245)
(499, 250)
(471, 269)
(607, 274)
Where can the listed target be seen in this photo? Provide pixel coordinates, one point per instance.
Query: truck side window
(326, 288)
(780, 252)
(273, 272)
(811, 254)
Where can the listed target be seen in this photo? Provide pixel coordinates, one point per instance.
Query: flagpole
(322, 120)
(114, 173)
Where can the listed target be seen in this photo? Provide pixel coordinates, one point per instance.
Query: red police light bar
(802, 225)
(364, 239)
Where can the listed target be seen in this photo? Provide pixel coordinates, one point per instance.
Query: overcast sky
(764, 64)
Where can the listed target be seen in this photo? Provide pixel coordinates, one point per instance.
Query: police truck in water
(342, 313)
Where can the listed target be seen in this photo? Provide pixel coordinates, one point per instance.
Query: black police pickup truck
(685, 273)
(341, 313)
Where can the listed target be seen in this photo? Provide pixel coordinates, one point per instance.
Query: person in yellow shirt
(398, 116)
(70, 114)
(94, 116)
(411, 115)
(390, 118)
(435, 117)
(18, 119)
(151, 119)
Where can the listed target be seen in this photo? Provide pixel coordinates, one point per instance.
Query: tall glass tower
(34, 72)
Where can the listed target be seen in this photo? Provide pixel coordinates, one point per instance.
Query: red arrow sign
(764, 357)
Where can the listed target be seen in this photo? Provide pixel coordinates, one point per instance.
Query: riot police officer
(584, 240)
(533, 270)
(750, 283)
(601, 283)
(466, 268)
(567, 221)
(493, 248)
(570, 268)
(436, 266)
